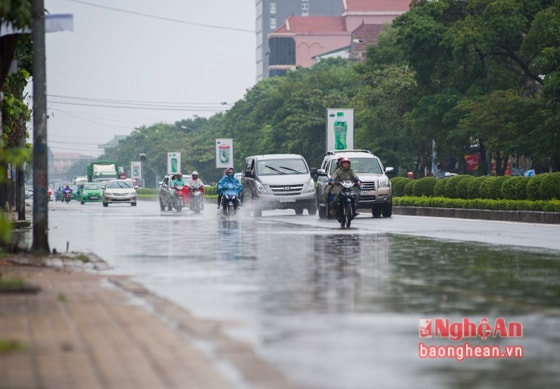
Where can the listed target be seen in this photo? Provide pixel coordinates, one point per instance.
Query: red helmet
(229, 170)
(344, 159)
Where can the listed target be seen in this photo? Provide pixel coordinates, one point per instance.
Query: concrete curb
(484, 214)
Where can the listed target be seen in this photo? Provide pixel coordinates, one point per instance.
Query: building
(60, 164)
(303, 40)
(271, 14)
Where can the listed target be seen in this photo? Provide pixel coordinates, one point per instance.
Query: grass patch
(82, 257)
(11, 284)
(7, 346)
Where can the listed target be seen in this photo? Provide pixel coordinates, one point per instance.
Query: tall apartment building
(271, 14)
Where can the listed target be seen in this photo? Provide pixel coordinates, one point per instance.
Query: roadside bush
(515, 188)
(474, 185)
(550, 186)
(398, 184)
(463, 187)
(451, 186)
(496, 187)
(491, 188)
(533, 188)
(409, 187)
(424, 186)
(439, 187)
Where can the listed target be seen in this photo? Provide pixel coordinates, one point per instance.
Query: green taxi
(91, 192)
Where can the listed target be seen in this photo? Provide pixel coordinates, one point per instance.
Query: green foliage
(515, 188)
(425, 186)
(534, 188)
(463, 187)
(487, 204)
(473, 187)
(398, 184)
(550, 186)
(409, 187)
(440, 187)
(451, 186)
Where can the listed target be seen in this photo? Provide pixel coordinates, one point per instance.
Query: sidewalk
(71, 326)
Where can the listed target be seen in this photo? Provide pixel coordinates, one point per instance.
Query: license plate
(367, 192)
(287, 200)
(94, 197)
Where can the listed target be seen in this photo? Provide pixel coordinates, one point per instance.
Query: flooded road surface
(344, 309)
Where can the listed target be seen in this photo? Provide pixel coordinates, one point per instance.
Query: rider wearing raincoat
(225, 181)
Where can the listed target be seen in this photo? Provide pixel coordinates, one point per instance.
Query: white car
(119, 191)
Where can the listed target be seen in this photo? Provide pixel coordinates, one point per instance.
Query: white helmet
(194, 173)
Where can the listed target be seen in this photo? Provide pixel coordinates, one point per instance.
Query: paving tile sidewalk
(87, 330)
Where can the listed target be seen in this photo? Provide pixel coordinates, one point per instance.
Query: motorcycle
(181, 196)
(230, 200)
(196, 198)
(345, 203)
(67, 196)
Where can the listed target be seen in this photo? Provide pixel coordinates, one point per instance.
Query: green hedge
(537, 193)
(499, 205)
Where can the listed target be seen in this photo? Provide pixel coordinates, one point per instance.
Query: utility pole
(40, 243)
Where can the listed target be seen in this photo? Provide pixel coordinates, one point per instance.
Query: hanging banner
(224, 153)
(340, 129)
(136, 170)
(173, 162)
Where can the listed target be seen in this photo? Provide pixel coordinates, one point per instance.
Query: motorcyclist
(228, 178)
(67, 190)
(344, 173)
(177, 182)
(194, 181)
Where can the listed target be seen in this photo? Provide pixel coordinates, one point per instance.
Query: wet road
(336, 308)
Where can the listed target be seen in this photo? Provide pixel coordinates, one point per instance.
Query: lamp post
(142, 160)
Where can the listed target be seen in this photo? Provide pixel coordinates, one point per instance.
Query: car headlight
(311, 185)
(384, 183)
(260, 188)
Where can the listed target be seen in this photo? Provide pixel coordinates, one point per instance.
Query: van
(278, 181)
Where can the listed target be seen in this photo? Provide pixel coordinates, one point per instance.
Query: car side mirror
(248, 173)
(321, 172)
(389, 171)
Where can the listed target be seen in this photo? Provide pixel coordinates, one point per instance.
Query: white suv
(375, 193)
(278, 181)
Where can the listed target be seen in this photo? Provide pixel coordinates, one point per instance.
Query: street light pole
(40, 243)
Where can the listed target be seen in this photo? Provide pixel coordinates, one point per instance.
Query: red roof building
(302, 38)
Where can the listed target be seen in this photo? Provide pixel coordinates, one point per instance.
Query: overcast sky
(163, 60)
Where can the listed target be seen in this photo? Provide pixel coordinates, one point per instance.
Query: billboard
(136, 170)
(224, 153)
(340, 128)
(173, 162)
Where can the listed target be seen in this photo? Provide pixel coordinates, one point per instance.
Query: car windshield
(119, 184)
(92, 186)
(362, 165)
(281, 167)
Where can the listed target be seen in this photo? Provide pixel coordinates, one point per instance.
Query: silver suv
(376, 192)
(278, 181)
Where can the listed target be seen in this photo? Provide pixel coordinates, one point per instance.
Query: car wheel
(387, 209)
(82, 202)
(376, 211)
(133, 204)
(312, 209)
(299, 211)
(105, 204)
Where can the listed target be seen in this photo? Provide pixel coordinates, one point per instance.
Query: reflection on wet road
(336, 308)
